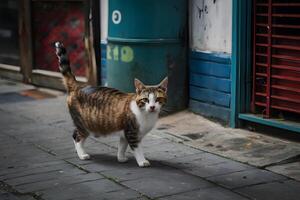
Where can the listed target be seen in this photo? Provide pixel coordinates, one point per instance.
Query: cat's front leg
(139, 156)
(132, 137)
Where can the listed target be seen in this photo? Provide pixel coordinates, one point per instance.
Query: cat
(103, 111)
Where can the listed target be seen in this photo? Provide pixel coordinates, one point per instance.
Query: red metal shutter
(276, 57)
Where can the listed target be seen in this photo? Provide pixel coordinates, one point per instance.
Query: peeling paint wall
(210, 25)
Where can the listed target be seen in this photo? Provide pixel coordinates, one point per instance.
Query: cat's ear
(139, 86)
(164, 84)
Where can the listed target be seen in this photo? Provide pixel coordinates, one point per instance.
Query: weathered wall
(210, 25)
(210, 58)
(104, 19)
(104, 30)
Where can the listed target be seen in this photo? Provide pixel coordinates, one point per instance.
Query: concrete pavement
(38, 161)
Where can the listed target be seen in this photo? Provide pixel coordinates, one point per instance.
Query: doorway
(266, 63)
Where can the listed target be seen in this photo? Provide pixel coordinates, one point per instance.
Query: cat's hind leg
(122, 149)
(79, 139)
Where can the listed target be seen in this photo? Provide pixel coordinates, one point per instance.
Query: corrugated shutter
(276, 56)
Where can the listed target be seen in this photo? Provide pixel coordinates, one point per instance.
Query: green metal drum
(146, 40)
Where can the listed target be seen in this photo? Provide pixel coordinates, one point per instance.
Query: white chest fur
(145, 119)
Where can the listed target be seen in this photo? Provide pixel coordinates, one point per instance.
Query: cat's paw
(144, 163)
(122, 159)
(84, 157)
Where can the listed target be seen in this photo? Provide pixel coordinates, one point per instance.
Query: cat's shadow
(111, 160)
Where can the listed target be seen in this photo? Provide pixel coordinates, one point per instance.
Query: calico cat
(103, 111)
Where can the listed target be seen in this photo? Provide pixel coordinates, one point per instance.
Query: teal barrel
(146, 40)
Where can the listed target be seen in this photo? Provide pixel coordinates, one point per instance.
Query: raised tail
(64, 67)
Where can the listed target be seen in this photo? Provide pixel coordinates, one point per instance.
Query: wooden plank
(287, 125)
(103, 64)
(51, 79)
(223, 58)
(210, 96)
(25, 37)
(210, 68)
(210, 82)
(209, 110)
(10, 72)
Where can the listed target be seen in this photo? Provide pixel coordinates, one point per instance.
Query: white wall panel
(104, 20)
(210, 25)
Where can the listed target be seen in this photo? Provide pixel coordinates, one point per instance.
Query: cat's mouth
(152, 110)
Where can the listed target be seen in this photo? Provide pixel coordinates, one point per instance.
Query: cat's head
(151, 98)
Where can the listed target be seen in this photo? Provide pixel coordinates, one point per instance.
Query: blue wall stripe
(209, 110)
(103, 64)
(210, 96)
(224, 58)
(210, 82)
(209, 68)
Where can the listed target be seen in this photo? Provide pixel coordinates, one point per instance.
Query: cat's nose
(152, 108)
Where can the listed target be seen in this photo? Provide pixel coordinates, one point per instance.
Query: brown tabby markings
(103, 110)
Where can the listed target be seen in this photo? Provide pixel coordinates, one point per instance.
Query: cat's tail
(64, 67)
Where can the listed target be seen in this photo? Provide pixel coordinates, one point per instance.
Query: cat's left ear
(139, 86)
(164, 84)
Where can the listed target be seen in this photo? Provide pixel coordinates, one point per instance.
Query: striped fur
(103, 110)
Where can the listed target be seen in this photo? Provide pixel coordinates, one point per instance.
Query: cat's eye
(146, 100)
(159, 99)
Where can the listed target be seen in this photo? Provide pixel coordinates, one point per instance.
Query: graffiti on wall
(210, 25)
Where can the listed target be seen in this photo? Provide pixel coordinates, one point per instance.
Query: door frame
(241, 60)
(241, 71)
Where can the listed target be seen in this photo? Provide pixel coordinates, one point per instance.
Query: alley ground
(38, 160)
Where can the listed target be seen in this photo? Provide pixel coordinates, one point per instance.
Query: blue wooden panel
(103, 64)
(209, 110)
(210, 96)
(224, 58)
(210, 82)
(210, 68)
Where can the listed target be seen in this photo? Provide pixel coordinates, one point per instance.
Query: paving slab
(237, 144)
(126, 194)
(10, 196)
(206, 165)
(43, 176)
(285, 190)
(214, 193)
(86, 190)
(58, 181)
(246, 178)
(171, 182)
(61, 167)
(206, 171)
(291, 170)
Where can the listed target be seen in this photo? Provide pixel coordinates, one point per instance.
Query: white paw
(122, 159)
(84, 156)
(144, 163)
